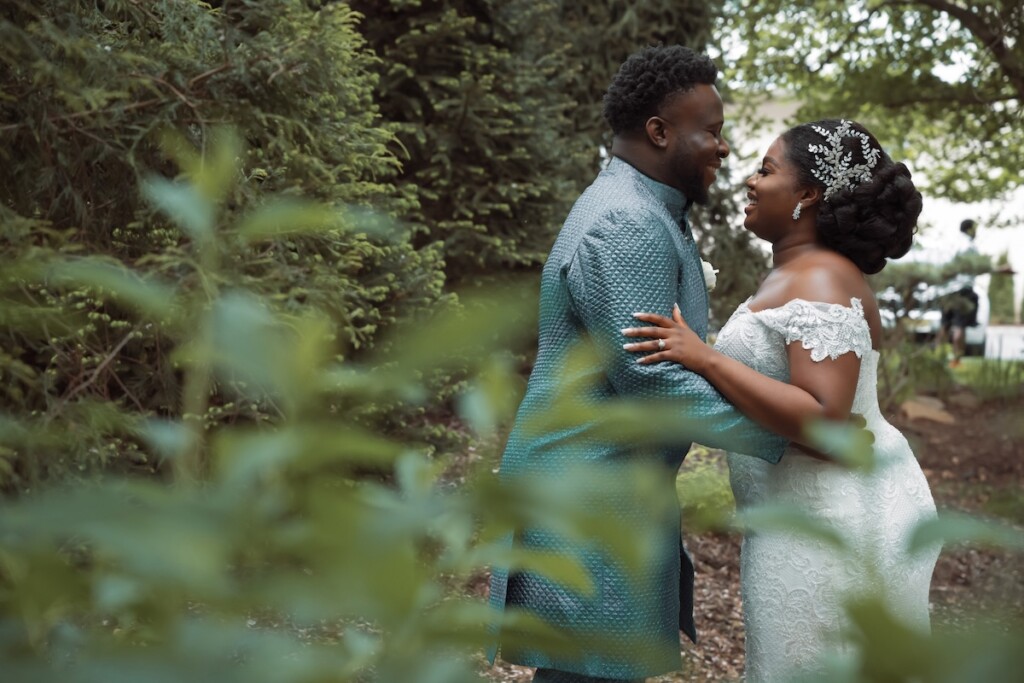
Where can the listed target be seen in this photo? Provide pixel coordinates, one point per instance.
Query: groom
(626, 246)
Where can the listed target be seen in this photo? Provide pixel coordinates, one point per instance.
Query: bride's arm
(816, 390)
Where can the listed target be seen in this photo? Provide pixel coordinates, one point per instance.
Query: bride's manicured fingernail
(627, 330)
(627, 346)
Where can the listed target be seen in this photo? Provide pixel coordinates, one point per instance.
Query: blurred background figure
(961, 306)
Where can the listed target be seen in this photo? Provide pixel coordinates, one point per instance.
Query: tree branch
(948, 98)
(134, 105)
(988, 36)
(832, 54)
(91, 112)
(99, 368)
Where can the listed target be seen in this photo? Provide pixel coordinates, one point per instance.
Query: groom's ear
(657, 132)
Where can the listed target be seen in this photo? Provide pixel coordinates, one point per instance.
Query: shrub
(90, 90)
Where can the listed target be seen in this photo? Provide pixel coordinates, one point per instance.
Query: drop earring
(796, 212)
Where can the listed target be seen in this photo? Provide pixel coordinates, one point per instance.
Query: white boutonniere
(710, 274)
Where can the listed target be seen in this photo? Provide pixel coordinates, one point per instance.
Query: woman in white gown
(834, 207)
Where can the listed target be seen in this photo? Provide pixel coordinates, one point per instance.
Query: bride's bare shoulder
(827, 277)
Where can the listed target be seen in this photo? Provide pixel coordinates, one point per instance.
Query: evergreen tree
(498, 108)
(476, 89)
(601, 35)
(89, 91)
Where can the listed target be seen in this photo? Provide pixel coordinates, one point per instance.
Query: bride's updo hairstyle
(869, 206)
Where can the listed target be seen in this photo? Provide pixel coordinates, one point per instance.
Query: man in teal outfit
(625, 247)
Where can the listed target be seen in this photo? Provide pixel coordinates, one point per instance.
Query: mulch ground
(975, 464)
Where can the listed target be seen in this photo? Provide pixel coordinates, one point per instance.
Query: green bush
(993, 379)
(273, 557)
(477, 92)
(906, 368)
(90, 90)
(704, 491)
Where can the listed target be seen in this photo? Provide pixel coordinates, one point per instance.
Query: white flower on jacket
(710, 274)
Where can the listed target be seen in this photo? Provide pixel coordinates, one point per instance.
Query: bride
(834, 207)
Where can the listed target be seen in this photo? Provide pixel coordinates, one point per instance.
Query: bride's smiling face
(773, 191)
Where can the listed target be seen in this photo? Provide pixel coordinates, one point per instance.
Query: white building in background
(939, 225)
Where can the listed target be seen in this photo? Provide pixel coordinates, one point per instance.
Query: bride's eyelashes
(762, 171)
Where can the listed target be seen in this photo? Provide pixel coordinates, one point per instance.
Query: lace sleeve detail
(826, 330)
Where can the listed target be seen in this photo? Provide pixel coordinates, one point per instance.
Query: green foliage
(907, 367)
(91, 92)
(174, 314)
(620, 28)
(1000, 293)
(1006, 503)
(497, 108)
(906, 277)
(940, 83)
(274, 558)
(891, 651)
(476, 92)
(993, 379)
(704, 491)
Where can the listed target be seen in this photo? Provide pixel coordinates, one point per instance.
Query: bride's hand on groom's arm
(670, 339)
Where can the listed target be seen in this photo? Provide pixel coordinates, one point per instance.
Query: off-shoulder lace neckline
(856, 305)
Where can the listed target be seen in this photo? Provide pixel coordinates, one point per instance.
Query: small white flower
(710, 274)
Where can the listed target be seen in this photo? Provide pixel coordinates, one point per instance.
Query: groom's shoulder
(613, 200)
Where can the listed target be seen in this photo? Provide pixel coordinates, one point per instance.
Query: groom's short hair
(647, 78)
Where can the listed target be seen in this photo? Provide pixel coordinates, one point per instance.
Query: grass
(1007, 504)
(991, 379)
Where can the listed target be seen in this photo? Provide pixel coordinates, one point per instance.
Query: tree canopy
(940, 82)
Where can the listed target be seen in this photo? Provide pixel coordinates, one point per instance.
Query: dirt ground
(974, 464)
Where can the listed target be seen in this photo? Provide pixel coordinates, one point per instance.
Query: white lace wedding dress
(793, 587)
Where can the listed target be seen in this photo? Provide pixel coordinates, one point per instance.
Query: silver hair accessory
(661, 344)
(833, 166)
(796, 212)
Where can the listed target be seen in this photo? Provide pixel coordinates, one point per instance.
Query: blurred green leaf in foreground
(311, 547)
(304, 548)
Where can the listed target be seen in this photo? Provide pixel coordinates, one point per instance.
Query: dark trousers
(553, 676)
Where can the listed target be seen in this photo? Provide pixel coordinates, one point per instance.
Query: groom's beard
(691, 179)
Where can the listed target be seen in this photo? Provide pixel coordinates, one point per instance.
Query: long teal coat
(625, 247)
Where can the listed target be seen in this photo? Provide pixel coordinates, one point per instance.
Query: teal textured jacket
(625, 247)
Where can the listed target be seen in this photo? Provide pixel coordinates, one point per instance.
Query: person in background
(960, 309)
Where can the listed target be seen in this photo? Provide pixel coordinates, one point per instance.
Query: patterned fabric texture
(793, 587)
(624, 248)
(552, 676)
